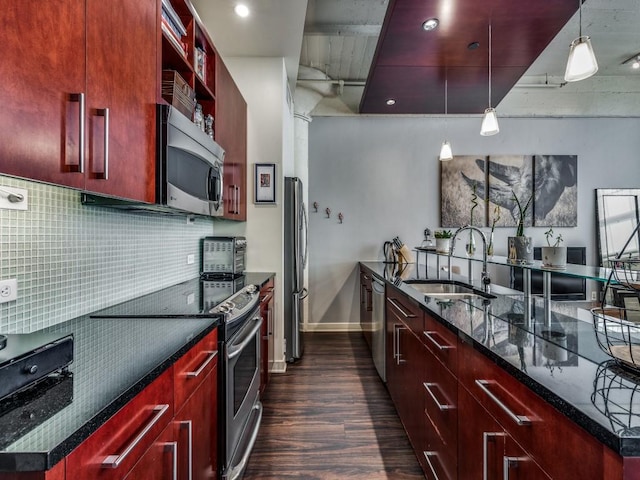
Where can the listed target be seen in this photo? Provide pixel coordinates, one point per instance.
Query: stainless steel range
(238, 307)
(240, 371)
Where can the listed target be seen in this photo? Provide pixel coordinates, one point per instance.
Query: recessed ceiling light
(391, 101)
(241, 10)
(635, 65)
(430, 24)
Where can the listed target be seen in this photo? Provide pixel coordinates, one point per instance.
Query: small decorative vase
(442, 245)
(520, 250)
(554, 257)
(471, 246)
(490, 246)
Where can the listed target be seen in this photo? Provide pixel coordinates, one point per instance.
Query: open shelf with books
(187, 49)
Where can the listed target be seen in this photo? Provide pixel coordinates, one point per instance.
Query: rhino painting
(551, 179)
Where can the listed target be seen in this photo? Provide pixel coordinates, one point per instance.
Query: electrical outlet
(594, 296)
(191, 258)
(8, 290)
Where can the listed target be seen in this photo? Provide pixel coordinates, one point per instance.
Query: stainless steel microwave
(190, 165)
(189, 171)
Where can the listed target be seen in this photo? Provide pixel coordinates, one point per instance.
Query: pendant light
(445, 150)
(582, 61)
(490, 120)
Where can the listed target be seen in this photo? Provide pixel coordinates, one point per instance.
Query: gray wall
(383, 174)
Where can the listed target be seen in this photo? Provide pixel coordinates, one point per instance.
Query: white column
(305, 100)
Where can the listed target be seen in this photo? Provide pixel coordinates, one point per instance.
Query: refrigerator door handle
(302, 294)
(305, 228)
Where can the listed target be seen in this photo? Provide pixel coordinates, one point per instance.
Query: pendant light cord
(580, 18)
(490, 65)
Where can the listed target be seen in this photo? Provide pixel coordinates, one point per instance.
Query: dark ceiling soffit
(413, 71)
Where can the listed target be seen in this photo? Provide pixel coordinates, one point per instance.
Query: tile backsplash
(70, 259)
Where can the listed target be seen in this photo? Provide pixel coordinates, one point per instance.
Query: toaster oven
(223, 256)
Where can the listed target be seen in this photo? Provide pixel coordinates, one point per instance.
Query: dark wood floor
(330, 417)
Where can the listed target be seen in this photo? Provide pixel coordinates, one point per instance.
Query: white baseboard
(279, 367)
(331, 327)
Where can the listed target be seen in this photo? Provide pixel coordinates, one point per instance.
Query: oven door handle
(235, 348)
(236, 470)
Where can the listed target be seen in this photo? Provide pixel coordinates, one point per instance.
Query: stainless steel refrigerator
(295, 261)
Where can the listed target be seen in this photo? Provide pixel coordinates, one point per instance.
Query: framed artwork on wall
(550, 181)
(459, 179)
(265, 183)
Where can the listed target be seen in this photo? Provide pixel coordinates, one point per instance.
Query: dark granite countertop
(114, 359)
(573, 373)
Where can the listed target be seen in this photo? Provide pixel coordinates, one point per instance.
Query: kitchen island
(480, 376)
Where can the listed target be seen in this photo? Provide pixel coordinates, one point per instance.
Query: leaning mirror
(617, 215)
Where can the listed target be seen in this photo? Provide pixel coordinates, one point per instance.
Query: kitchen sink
(447, 289)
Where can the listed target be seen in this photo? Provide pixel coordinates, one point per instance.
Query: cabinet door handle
(486, 436)
(429, 335)
(189, 426)
(396, 333)
(81, 130)
(237, 200)
(105, 114)
(173, 446)
(405, 314)
(427, 456)
(510, 462)
(114, 461)
(442, 407)
(518, 419)
(212, 355)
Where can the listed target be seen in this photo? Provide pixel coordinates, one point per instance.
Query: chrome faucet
(484, 277)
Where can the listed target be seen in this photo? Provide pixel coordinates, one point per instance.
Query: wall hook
(315, 206)
(340, 217)
(328, 212)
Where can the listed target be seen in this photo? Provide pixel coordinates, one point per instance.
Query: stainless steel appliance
(239, 346)
(378, 333)
(223, 256)
(240, 379)
(295, 261)
(189, 170)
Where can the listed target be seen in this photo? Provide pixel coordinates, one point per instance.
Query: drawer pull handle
(429, 335)
(427, 456)
(485, 451)
(212, 355)
(188, 424)
(509, 463)
(405, 314)
(441, 406)
(518, 419)
(173, 446)
(114, 461)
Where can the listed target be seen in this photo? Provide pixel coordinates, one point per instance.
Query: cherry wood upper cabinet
(231, 134)
(43, 77)
(80, 83)
(121, 95)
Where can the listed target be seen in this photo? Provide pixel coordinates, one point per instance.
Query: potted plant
(554, 256)
(520, 248)
(443, 237)
(471, 246)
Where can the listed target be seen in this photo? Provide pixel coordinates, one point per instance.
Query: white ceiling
(338, 38)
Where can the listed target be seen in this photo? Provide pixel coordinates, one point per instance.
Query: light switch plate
(191, 258)
(9, 198)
